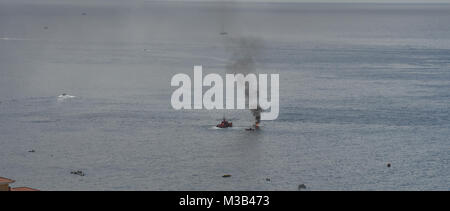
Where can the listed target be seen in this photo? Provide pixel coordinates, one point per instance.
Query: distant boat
(65, 96)
(223, 33)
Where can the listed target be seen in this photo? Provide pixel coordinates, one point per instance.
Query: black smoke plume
(244, 52)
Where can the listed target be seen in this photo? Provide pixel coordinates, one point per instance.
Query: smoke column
(244, 51)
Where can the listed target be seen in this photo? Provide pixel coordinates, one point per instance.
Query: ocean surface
(361, 85)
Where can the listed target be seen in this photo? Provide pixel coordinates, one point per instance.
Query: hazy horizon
(237, 1)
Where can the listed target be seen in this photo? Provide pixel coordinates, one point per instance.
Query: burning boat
(257, 114)
(255, 127)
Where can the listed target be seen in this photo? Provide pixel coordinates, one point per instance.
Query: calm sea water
(362, 85)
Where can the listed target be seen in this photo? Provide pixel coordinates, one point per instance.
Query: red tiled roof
(23, 189)
(5, 180)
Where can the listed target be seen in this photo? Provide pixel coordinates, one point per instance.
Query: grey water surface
(361, 85)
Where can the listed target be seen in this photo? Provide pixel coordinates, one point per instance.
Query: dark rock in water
(83, 13)
(32, 150)
(301, 186)
(268, 179)
(226, 175)
(389, 165)
(45, 27)
(79, 173)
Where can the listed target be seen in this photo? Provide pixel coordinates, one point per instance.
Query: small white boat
(65, 96)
